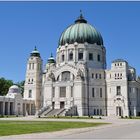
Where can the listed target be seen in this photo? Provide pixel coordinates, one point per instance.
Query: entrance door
(62, 104)
(118, 111)
(53, 104)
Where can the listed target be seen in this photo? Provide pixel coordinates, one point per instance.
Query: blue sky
(26, 24)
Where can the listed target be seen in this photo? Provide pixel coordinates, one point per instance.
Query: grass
(24, 127)
(7, 116)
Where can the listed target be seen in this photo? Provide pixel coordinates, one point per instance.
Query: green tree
(5, 85)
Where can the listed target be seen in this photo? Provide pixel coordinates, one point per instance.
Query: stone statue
(80, 75)
(51, 77)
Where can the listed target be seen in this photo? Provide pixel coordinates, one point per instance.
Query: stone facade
(77, 82)
(14, 104)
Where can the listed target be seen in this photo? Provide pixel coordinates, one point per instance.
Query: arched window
(90, 56)
(93, 92)
(70, 56)
(96, 76)
(100, 111)
(80, 55)
(100, 76)
(101, 92)
(97, 111)
(33, 66)
(30, 93)
(98, 58)
(63, 57)
(66, 76)
(94, 111)
(92, 75)
(32, 81)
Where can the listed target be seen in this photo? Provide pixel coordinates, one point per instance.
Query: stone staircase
(49, 111)
(56, 112)
(46, 112)
(42, 110)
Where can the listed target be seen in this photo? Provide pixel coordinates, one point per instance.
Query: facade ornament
(80, 75)
(51, 77)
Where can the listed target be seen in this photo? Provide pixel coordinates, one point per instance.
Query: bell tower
(33, 80)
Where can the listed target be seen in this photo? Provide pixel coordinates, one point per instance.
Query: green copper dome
(81, 32)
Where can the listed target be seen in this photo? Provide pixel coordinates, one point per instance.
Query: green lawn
(6, 116)
(24, 127)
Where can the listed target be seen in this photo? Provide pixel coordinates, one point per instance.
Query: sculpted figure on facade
(80, 75)
(51, 77)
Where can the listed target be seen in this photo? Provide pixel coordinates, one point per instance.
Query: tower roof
(35, 52)
(51, 59)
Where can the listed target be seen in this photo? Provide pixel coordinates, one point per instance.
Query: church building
(77, 82)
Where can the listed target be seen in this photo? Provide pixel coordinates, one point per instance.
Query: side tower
(117, 89)
(33, 80)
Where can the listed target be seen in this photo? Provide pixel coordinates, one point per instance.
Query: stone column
(30, 108)
(71, 76)
(68, 96)
(25, 110)
(4, 107)
(66, 55)
(135, 112)
(60, 77)
(8, 112)
(57, 94)
(78, 96)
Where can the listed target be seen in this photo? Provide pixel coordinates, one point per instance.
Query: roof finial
(51, 54)
(81, 16)
(35, 48)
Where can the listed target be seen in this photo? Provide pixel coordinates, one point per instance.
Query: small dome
(81, 32)
(14, 89)
(35, 52)
(51, 59)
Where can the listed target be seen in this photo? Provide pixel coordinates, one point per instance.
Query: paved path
(119, 129)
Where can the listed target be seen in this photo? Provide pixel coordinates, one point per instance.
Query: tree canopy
(5, 85)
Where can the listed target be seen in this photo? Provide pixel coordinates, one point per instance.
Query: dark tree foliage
(5, 85)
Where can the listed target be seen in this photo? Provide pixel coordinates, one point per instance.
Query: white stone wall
(118, 76)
